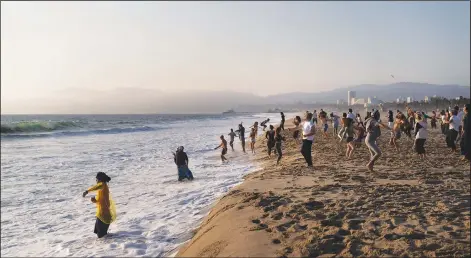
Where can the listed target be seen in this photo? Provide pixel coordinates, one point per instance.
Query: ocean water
(48, 161)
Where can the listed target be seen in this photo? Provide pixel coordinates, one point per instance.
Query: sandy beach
(406, 207)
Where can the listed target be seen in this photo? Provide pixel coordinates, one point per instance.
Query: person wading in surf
(105, 208)
(224, 148)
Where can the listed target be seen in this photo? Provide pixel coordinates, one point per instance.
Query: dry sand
(407, 207)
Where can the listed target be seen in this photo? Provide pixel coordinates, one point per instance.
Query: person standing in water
(241, 132)
(373, 132)
(105, 208)
(232, 135)
(278, 139)
(308, 137)
(282, 123)
(224, 148)
(270, 136)
(253, 136)
(181, 160)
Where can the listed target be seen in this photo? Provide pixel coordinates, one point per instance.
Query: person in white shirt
(421, 135)
(452, 134)
(351, 115)
(308, 137)
(460, 117)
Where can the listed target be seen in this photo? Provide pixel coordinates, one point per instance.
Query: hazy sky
(49, 48)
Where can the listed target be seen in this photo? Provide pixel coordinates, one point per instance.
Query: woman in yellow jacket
(105, 209)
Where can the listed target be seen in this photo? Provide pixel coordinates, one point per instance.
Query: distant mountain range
(389, 92)
(140, 101)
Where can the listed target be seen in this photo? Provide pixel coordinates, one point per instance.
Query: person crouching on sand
(224, 148)
(105, 208)
(373, 132)
(420, 135)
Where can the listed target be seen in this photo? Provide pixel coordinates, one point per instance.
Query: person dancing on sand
(314, 117)
(308, 137)
(433, 120)
(421, 135)
(465, 139)
(253, 136)
(105, 208)
(224, 148)
(360, 135)
(232, 135)
(282, 123)
(296, 129)
(278, 139)
(390, 119)
(373, 132)
(241, 132)
(325, 125)
(349, 134)
(264, 124)
(270, 136)
(395, 133)
(452, 132)
(335, 123)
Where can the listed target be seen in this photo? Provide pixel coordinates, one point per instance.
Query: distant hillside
(388, 92)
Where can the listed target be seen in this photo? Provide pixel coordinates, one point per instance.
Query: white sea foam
(44, 214)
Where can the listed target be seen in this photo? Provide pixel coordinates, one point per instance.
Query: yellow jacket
(105, 208)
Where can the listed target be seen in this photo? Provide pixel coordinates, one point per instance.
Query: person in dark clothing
(181, 160)
(241, 132)
(465, 143)
(264, 123)
(270, 136)
(278, 139)
(282, 123)
(390, 119)
(232, 135)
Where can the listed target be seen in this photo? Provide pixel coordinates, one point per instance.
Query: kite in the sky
(393, 76)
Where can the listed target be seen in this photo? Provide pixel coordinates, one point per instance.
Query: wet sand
(406, 207)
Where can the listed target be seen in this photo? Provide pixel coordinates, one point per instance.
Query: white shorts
(252, 140)
(390, 124)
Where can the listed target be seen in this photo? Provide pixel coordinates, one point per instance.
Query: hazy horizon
(61, 55)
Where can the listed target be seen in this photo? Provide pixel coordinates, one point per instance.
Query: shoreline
(406, 207)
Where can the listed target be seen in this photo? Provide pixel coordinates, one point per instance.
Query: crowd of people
(353, 130)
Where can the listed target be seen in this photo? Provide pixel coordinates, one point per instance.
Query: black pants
(282, 125)
(278, 151)
(451, 138)
(101, 228)
(270, 146)
(420, 146)
(306, 151)
(242, 140)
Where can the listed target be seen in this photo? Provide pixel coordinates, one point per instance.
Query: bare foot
(370, 167)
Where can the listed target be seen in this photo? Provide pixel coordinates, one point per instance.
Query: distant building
(351, 95)
(426, 99)
(359, 101)
(398, 100)
(340, 102)
(410, 99)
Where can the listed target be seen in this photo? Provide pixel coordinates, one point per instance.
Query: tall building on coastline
(351, 94)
